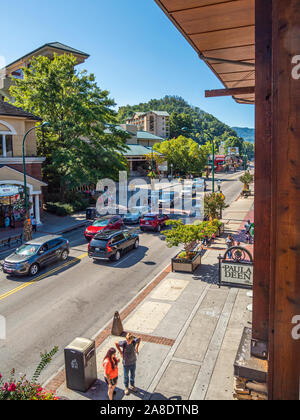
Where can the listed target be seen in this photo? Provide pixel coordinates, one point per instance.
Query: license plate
(147, 223)
(97, 249)
(8, 270)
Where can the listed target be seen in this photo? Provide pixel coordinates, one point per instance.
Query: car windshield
(149, 218)
(27, 250)
(132, 214)
(101, 223)
(101, 243)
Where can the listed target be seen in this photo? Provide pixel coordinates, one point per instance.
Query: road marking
(54, 270)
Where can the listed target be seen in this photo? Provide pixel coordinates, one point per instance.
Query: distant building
(14, 70)
(140, 146)
(154, 122)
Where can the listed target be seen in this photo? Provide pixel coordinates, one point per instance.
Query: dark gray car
(35, 254)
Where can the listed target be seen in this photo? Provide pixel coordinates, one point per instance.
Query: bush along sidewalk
(189, 236)
(25, 389)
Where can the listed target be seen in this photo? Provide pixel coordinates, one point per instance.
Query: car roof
(42, 240)
(109, 234)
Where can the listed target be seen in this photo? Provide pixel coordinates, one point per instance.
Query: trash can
(91, 213)
(80, 364)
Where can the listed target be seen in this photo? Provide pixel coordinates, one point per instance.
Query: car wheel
(64, 255)
(136, 244)
(33, 270)
(117, 256)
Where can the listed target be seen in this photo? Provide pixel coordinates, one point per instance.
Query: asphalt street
(76, 298)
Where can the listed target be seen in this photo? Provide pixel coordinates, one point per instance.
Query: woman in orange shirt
(110, 364)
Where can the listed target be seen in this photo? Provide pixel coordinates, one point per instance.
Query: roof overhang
(223, 35)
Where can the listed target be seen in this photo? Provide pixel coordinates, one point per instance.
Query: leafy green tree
(214, 203)
(79, 149)
(249, 150)
(184, 154)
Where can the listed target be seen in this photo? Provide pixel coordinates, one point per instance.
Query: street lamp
(213, 166)
(27, 224)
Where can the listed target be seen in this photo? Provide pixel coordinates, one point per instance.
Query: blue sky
(135, 51)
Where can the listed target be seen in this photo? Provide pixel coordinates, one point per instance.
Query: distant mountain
(248, 134)
(185, 119)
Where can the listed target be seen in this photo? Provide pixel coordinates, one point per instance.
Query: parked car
(35, 254)
(132, 218)
(153, 222)
(104, 223)
(112, 245)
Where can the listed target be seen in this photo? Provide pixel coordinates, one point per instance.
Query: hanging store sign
(236, 268)
(8, 190)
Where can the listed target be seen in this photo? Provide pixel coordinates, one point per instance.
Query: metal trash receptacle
(80, 364)
(91, 213)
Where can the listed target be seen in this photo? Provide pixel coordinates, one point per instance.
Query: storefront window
(12, 211)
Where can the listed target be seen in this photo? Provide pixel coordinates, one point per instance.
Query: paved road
(76, 299)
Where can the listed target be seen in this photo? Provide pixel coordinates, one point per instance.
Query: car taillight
(108, 248)
(89, 246)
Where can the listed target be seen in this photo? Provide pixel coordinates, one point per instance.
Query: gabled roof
(137, 150)
(56, 45)
(144, 135)
(9, 110)
(161, 113)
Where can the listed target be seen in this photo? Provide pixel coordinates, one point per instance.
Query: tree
(181, 234)
(184, 154)
(247, 179)
(78, 147)
(214, 204)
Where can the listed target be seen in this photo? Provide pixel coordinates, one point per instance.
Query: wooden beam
(263, 171)
(247, 90)
(284, 346)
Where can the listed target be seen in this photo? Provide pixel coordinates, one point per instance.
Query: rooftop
(55, 45)
(7, 109)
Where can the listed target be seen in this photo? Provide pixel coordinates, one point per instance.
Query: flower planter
(186, 266)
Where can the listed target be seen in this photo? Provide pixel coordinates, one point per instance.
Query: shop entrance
(12, 210)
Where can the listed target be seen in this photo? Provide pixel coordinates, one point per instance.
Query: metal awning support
(222, 60)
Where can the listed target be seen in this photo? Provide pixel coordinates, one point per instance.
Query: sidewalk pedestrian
(129, 349)
(33, 223)
(230, 243)
(111, 371)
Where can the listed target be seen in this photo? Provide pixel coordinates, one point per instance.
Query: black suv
(111, 245)
(30, 257)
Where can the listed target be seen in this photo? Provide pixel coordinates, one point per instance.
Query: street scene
(148, 239)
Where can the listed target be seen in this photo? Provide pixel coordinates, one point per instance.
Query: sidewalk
(190, 330)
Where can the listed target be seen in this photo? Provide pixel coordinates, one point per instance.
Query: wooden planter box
(186, 266)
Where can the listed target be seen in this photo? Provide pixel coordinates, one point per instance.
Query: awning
(223, 35)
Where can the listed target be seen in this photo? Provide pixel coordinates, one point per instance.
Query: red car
(104, 224)
(153, 222)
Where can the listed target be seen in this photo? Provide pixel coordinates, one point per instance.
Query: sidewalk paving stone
(201, 324)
